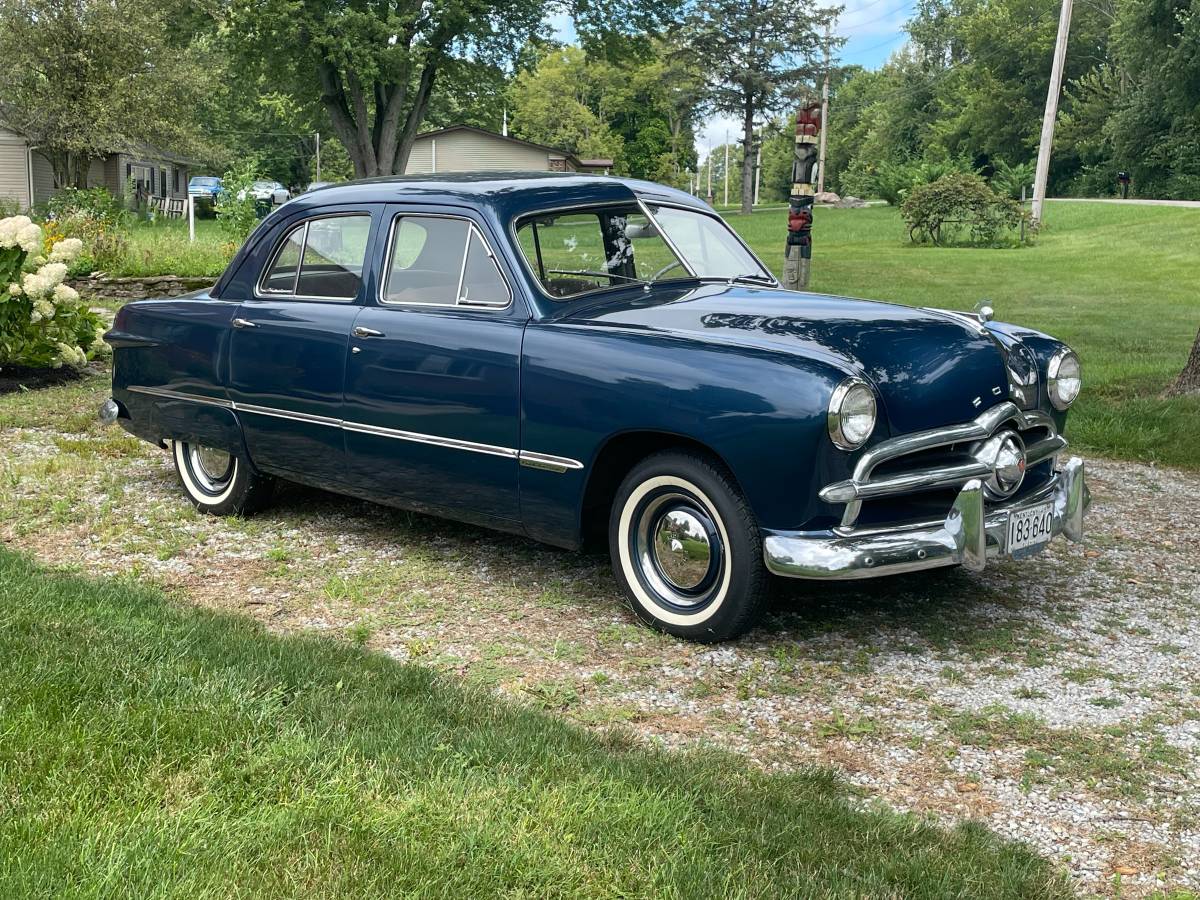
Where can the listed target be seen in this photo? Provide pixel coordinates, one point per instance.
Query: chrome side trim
(544, 461)
(180, 395)
(547, 462)
(418, 438)
(286, 414)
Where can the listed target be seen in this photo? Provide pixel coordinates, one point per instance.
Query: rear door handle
(243, 323)
(361, 332)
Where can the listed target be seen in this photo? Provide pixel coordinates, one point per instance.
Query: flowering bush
(42, 320)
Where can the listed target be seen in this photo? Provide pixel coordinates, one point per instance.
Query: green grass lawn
(1120, 284)
(152, 749)
(162, 248)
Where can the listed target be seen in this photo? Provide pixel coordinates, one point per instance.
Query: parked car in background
(267, 192)
(205, 189)
(571, 356)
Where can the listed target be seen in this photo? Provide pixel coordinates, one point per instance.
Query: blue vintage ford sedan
(565, 356)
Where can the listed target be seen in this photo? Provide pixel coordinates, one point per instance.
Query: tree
(566, 101)
(755, 54)
(1188, 381)
(85, 78)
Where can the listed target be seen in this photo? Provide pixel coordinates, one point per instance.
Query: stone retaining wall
(136, 288)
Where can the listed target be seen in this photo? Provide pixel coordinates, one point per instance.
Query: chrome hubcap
(212, 468)
(682, 549)
(677, 549)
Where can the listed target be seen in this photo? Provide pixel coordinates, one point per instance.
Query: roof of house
(565, 154)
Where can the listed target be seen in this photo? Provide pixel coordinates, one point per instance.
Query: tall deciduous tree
(85, 78)
(756, 54)
(374, 65)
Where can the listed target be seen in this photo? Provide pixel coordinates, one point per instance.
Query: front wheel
(218, 482)
(686, 548)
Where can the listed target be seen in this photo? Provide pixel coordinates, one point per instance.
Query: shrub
(43, 323)
(1007, 180)
(892, 181)
(90, 203)
(237, 213)
(938, 212)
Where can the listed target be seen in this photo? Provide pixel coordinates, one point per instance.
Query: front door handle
(361, 332)
(243, 323)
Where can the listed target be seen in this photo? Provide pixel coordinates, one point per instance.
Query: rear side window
(321, 259)
(442, 261)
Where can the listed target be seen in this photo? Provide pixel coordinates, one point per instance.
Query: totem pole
(798, 252)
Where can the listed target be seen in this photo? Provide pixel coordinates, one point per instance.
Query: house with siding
(27, 177)
(465, 148)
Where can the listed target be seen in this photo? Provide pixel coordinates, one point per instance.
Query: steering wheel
(665, 269)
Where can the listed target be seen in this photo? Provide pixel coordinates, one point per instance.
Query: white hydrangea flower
(42, 310)
(65, 293)
(71, 355)
(35, 284)
(14, 289)
(10, 228)
(67, 250)
(29, 238)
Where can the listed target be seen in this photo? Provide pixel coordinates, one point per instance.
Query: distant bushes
(957, 205)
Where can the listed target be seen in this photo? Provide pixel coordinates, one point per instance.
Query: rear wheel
(219, 482)
(686, 548)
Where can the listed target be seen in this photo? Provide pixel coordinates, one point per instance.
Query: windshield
(581, 251)
(263, 185)
(205, 181)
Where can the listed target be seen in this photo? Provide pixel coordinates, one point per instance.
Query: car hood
(931, 368)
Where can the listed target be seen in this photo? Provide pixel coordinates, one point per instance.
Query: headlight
(1063, 378)
(851, 414)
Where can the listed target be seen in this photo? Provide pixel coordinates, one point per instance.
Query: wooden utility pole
(824, 117)
(1051, 113)
(757, 167)
(709, 198)
(727, 168)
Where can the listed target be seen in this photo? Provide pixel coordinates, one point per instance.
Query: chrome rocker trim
(969, 536)
(528, 458)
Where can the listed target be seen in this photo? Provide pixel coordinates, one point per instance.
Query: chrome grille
(940, 458)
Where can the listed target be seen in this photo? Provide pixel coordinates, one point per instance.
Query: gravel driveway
(1057, 701)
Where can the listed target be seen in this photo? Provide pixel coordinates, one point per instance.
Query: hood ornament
(984, 311)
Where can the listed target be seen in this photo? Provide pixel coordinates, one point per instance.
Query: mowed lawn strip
(1120, 284)
(151, 749)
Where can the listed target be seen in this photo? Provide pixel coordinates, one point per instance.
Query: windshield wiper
(753, 278)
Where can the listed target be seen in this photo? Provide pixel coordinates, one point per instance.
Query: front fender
(763, 412)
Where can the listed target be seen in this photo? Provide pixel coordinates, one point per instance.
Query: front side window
(320, 259)
(442, 261)
(578, 252)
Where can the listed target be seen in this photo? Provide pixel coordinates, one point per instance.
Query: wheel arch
(615, 458)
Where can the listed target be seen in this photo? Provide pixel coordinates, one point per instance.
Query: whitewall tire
(686, 548)
(218, 482)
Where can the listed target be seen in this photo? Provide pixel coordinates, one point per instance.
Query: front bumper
(969, 535)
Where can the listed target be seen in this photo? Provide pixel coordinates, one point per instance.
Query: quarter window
(442, 261)
(321, 259)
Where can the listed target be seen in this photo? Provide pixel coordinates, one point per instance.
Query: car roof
(509, 193)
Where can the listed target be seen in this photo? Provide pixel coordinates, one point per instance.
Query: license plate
(1029, 529)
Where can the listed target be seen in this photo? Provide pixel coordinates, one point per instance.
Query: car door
(433, 372)
(289, 342)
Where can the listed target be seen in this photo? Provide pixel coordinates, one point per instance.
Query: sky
(873, 30)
